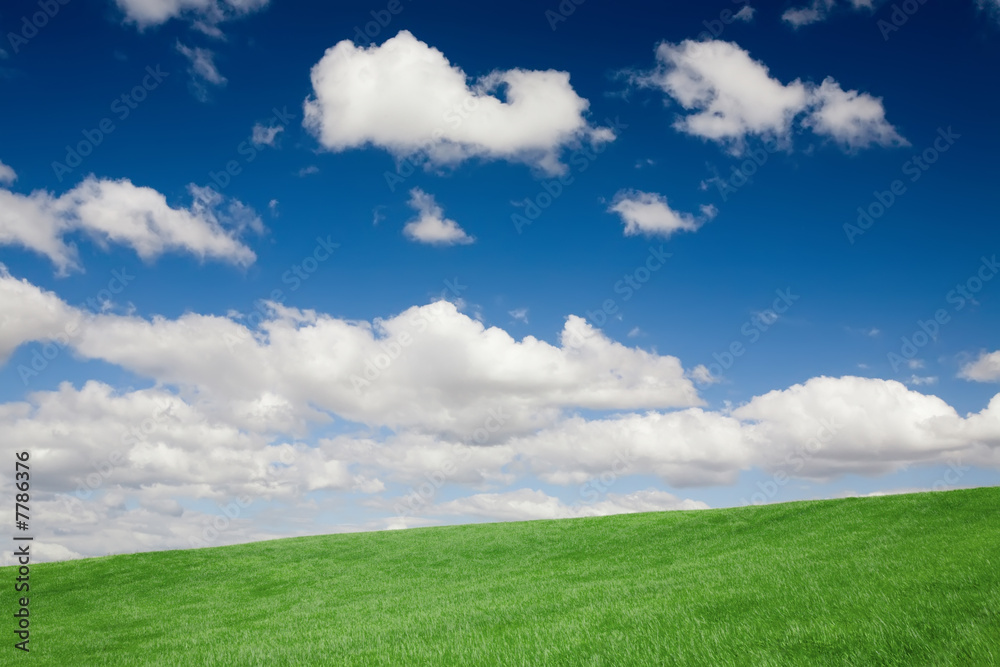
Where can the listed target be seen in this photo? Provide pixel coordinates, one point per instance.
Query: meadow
(893, 580)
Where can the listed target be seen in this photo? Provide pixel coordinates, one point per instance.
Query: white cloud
(920, 381)
(822, 429)
(746, 14)
(29, 313)
(730, 96)
(241, 400)
(299, 365)
(684, 448)
(855, 120)
(121, 213)
(812, 13)
(897, 492)
(855, 425)
(528, 505)
(519, 314)
(152, 448)
(430, 226)
(436, 371)
(984, 369)
(7, 174)
(703, 376)
(407, 98)
(264, 135)
(202, 70)
(649, 213)
(411, 458)
(819, 10)
(308, 171)
(205, 13)
(157, 453)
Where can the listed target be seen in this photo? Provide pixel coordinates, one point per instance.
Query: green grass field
(896, 580)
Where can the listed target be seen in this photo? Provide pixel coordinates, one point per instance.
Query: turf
(895, 580)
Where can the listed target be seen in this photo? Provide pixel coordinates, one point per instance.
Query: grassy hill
(896, 580)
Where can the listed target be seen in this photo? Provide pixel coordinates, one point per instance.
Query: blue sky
(368, 181)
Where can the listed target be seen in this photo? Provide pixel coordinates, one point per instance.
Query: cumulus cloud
(409, 457)
(206, 14)
(151, 447)
(984, 369)
(29, 313)
(7, 174)
(821, 429)
(648, 213)
(118, 212)
(684, 448)
(430, 226)
(852, 119)
(729, 97)
(116, 485)
(297, 365)
(407, 98)
(439, 396)
(852, 425)
(202, 70)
